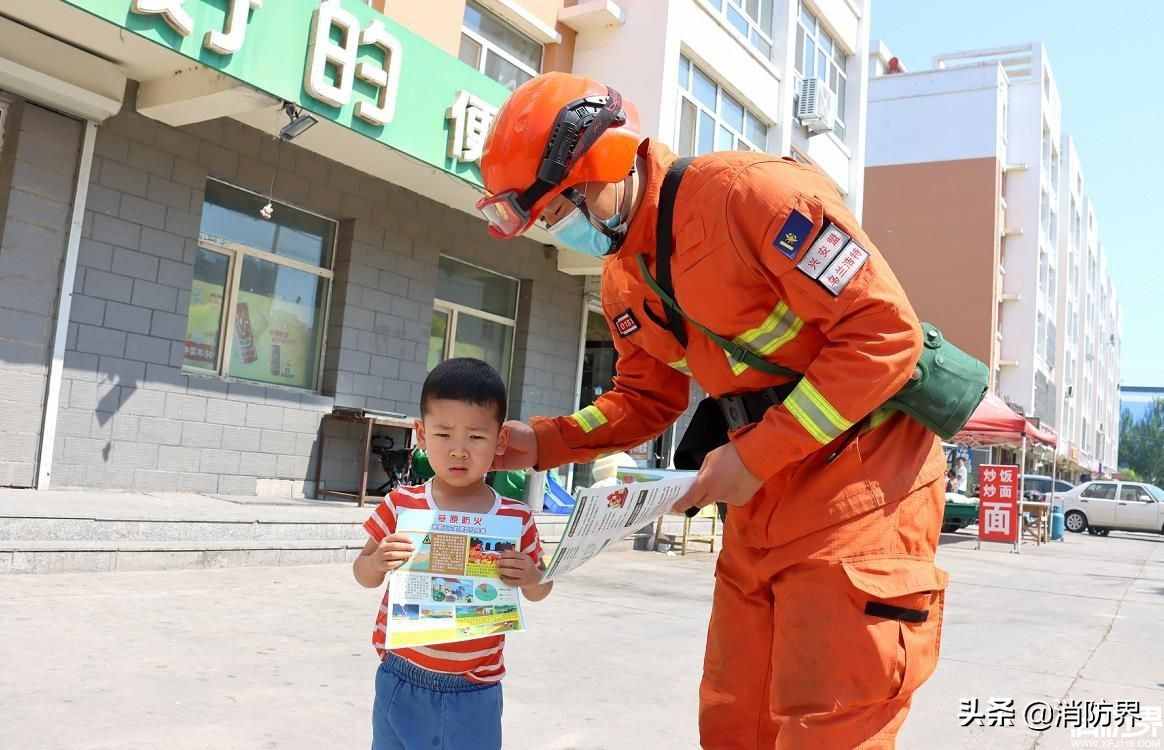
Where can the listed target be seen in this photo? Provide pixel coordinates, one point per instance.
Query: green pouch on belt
(947, 386)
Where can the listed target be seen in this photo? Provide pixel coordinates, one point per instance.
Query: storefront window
(497, 49)
(474, 315)
(259, 297)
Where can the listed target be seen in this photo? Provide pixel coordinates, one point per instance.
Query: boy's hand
(518, 570)
(392, 552)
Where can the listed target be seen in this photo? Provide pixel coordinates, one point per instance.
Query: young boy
(448, 696)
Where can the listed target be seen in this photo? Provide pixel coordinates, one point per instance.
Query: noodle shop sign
(338, 59)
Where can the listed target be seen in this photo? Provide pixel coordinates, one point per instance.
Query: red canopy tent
(995, 423)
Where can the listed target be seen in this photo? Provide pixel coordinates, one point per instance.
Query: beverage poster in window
(450, 589)
(203, 324)
(274, 340)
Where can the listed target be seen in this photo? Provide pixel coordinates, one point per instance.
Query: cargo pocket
(854, 634)
(910, 594)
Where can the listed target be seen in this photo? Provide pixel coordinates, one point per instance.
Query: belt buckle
(735, 412)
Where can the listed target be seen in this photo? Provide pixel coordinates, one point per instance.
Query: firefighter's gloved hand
(520, 450)
(722, 478)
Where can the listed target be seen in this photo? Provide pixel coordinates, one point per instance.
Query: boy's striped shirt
(481, 659)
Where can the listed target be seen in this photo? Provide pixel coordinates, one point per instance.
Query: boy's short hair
(465, 379)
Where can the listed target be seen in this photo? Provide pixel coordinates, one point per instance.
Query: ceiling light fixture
(299, 123)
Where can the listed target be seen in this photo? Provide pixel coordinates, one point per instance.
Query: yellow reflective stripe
(681, 366)
(815, 413)
(880, 417)
(822, 403)
(737, 367)
(793, 406)
(589, 419)
(780, 327)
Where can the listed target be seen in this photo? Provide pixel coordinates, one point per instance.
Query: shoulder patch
(843, 268)
(827, 246)
(626, 324)
(793, 234)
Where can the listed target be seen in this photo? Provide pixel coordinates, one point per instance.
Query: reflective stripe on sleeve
(813, 411)
(589, 419)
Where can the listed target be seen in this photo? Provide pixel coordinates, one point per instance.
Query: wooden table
(370, 420)
(1042, 513)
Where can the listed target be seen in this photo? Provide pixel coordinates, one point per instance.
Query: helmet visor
(508, 212)
(505, 215)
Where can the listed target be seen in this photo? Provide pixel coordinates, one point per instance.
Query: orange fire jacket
(765, 253)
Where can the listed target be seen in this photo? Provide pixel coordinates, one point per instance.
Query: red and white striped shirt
(481, 659)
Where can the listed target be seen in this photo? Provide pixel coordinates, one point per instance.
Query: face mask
(577, 233)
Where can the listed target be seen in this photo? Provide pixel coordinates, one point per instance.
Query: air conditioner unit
(817, 106)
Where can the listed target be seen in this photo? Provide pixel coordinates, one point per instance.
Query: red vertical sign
(998, 503)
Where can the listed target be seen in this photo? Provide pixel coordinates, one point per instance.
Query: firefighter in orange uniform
(827, 611)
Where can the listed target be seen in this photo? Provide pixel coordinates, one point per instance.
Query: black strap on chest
(665, 289)
(665, 242)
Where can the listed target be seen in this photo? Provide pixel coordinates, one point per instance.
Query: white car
(1098, 507)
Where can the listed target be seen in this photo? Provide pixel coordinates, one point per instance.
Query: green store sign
(339, 60)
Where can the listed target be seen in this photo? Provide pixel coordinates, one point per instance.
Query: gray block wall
(37, 177)
(131, 418)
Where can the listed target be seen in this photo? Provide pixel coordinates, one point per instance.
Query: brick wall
(37, 176)
(130, 417)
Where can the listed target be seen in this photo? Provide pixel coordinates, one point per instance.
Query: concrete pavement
(280, 658)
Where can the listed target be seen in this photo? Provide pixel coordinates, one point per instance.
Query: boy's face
(461, 440)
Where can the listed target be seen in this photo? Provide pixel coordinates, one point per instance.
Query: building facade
(221, 221)
(732, 74)
(996, 240)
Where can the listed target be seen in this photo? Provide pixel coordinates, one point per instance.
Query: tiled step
(120, 541)
(76, 557)
(38, 528)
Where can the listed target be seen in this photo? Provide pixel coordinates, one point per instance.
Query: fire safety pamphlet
(607, 514)
(450, 589)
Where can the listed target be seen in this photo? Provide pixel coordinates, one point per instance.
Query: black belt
(710, 425)
(742, 409)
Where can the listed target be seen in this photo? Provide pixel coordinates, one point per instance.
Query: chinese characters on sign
(171, 12)
(998, 503)
(471, 117)
(325, 54)
(225, 42)
(236, 28)
(342, 57)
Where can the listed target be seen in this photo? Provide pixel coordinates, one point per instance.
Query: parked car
(1037, 485)
(1100, 506)
(960, 512)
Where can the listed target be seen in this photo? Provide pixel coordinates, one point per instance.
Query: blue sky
(1106, 59)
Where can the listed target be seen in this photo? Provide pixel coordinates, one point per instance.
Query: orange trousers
(819, 643)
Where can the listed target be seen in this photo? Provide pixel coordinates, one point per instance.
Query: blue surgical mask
(577, 233)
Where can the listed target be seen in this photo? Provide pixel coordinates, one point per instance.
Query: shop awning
(995, 423)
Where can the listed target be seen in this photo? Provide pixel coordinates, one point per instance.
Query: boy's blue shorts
(417, 709)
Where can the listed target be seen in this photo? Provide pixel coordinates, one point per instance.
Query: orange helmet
(555, 131)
